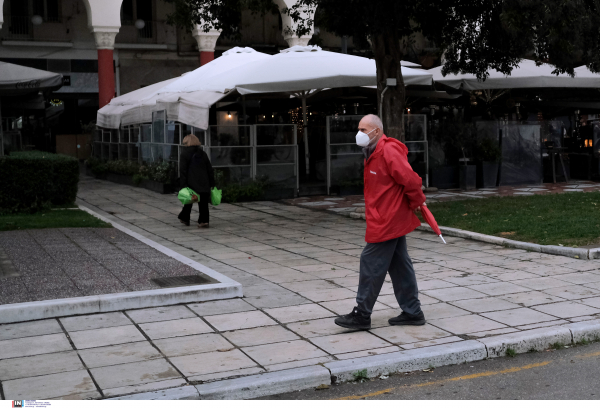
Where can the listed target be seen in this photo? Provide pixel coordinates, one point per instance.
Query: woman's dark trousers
(185, 214)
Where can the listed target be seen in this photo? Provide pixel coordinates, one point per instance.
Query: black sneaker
(406, 319)
(355, 320)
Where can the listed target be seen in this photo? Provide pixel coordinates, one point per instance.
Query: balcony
(21, 28)
(156, 33)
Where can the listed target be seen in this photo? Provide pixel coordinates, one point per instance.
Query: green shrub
(123, 167)
(33, 181)
(97, 166)
(163, 172)
(249, 191)
(138, 178)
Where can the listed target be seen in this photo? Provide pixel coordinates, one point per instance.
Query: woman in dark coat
(195, 172)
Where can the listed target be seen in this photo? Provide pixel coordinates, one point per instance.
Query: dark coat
(195, 170)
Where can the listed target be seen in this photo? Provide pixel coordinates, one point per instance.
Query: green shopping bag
(185, 196)
(215, 196)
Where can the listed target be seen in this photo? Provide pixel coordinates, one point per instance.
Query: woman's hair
(191, 140)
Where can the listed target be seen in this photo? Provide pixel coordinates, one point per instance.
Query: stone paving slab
(470, 290)
(98, 261)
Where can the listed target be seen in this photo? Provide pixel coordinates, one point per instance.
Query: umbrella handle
(442, 238)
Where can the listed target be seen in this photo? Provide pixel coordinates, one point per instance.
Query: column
(206, 43)
(105, 43)
(290, 27)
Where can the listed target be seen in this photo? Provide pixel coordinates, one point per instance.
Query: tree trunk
(386, 47)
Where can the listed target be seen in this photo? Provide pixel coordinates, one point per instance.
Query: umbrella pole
(1, 132)
(305, 130)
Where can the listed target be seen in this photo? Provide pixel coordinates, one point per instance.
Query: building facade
(110, 47)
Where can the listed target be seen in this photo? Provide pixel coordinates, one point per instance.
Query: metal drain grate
(175, 281)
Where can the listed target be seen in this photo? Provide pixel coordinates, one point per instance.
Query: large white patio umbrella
(19, 80)
(111, 116)
(177, 95)
(302, 72)
(525, 75)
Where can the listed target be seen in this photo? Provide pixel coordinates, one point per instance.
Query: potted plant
(463, 136)
(488, 156)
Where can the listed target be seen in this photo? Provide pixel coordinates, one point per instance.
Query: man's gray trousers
(378, 259)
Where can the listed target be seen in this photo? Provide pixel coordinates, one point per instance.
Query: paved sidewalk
(69, 262)
(299, 269)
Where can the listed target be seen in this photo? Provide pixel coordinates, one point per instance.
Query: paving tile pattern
(297, 266)
(72, 262)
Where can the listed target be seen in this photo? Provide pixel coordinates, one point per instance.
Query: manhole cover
(181, 281)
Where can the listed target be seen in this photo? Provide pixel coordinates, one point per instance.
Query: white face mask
(362, 138)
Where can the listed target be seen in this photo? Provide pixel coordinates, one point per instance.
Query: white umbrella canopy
(19, 80)
(525, 75)
(303, 68)
(125, 109)
(304, 71)
(137, 106)
(221, 71)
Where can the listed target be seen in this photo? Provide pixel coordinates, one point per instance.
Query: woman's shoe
(203, 225)
(186, 223)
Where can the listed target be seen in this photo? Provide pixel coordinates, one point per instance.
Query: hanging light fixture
(37, 20)
(139, 24)
(229, 114)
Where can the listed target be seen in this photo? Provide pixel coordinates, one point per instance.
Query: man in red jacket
(392, 194)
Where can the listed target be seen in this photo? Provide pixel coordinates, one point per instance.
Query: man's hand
(419, 208)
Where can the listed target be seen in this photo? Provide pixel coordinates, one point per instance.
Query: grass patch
(557, 346)
(60, 218)
(361, 375)
(510, 352)
(569, 219)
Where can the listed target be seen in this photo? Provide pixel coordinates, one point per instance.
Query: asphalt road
(570, 373)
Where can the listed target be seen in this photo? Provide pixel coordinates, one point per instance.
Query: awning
(19, 80)
(526, 75)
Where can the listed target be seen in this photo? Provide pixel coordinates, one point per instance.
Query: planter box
(467, 177)
(444, 177)
(279, 193)
(157, 187)
(119, 179)
(128, 180)
(487, 174)
(351, 190)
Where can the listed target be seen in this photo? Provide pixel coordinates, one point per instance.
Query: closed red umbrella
(428, 216)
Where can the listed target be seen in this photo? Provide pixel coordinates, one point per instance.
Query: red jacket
(392, 192)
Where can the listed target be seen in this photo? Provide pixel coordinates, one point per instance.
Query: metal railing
(20, 28)
(242, 153)
(149, 34)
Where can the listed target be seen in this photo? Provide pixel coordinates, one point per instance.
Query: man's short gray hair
(374, 120)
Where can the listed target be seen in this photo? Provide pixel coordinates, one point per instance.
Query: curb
(261, 385)
(227, 288)
(410, 360)
(277, 382)
(188, 392)
(579, 253)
